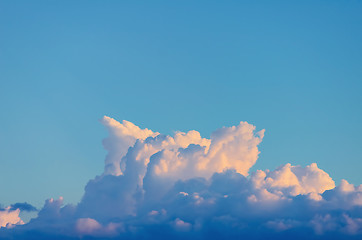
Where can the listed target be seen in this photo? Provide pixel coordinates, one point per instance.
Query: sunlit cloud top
(159, 186)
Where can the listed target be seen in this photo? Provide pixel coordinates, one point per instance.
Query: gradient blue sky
(292, 68)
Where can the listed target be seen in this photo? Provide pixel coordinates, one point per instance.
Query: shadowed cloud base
(186, 186)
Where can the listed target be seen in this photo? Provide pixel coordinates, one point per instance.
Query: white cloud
(290, 180)
(233, 147)
(121, 137)
(9, 218)
(158, 186)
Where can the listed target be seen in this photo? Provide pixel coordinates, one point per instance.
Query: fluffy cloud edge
(188, 185)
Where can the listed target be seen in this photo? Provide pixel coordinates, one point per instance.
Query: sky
(291, 68)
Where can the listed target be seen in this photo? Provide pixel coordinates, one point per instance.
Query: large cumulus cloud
(158, 186)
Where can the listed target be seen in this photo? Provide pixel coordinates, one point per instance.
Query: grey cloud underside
(199, 208)
(23, 207)
(157, 186)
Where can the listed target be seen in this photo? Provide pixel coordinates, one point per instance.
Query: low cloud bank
(158, 186)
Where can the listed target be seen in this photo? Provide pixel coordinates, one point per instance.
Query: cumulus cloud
(10, 217)
(290, 180)
(186, 186)
(121, 137)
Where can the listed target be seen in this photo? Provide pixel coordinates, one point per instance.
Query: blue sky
(291, 68)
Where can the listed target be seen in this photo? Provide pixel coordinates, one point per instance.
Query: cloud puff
(290, 180)
(186, 186)
(121, 137)
(10, 217)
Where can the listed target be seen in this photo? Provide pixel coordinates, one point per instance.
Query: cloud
(23, 207)
(181, 225)
(186, 186)
(87, 226)
(121, 137)
(289, 180)
(9, 217)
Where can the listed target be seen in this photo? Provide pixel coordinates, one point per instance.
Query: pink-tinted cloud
(186, 186)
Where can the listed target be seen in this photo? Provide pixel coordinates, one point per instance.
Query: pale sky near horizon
(293, 69)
